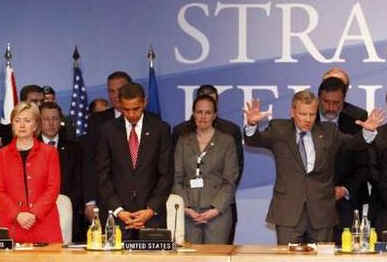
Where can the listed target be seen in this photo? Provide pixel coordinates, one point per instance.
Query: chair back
(65, 210)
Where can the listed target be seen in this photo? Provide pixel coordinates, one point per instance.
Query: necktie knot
(51, 142)
(302, 134)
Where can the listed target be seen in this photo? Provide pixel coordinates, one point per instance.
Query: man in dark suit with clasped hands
(134, 164)
(303, 204)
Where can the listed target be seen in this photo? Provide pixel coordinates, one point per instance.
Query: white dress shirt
(55, 139)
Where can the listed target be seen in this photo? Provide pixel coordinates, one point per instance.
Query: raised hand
(253, 112)
(374, 120)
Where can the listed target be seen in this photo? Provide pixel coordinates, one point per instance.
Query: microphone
(175, 225)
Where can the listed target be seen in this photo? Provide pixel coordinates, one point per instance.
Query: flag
(10, 97)
(79, 104)
(153, 93)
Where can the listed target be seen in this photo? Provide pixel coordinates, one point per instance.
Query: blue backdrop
(265, 49)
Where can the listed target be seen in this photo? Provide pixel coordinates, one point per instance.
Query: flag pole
(10, 96)
(8, 55)
(151, 56)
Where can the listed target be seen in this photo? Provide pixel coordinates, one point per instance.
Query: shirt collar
(324, 119)
(139, 123)
(117, 113)
(46, 139)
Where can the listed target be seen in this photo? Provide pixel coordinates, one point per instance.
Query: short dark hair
(207, 98)
(131, 91)
(207, 90)
(332, 84)
(51, 105)
(48, 90)
(120, 75)
(29, 89)
(93, 103)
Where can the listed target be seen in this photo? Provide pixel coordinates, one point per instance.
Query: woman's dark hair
(205, 97)
(191, 127)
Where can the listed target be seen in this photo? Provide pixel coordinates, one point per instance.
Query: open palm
(374, 120)
(253, 112)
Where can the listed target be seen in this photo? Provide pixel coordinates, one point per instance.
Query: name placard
(148, 245)
(6, 243)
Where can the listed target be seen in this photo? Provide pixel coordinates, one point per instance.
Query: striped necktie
(301, 149)
(133, 145)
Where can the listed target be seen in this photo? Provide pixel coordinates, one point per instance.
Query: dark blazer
(294, 188)
(71, 184)
(70, 165)
(5, 134)
(89, 145)
(70, 168)
(378, 178)
(223, 125)
(149, 184)
(352, 164)
(351, 167)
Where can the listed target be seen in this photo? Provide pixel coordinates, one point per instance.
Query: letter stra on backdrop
(242, 27)
(370, 95)
(365, 35)
(287, 34)
(195, 33)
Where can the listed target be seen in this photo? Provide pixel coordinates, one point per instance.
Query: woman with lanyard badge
(206, 168)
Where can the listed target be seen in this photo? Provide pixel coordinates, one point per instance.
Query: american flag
(79, 106)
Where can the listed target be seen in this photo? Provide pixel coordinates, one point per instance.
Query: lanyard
(199, 162)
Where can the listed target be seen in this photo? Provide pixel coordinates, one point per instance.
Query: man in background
(98, 105)
(67, 124)
(70, 164)
(350, 165)
(32, 94)
(96, 120)
(49, 94)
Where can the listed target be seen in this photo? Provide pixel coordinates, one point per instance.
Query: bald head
(337, 72)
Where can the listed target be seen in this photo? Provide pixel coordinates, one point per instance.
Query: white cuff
(368, 135)
(250, 130)
(91, 203)
(118, 210)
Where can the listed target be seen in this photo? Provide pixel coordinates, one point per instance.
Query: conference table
(201, 253)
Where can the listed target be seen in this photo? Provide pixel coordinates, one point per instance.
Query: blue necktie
(301, 149)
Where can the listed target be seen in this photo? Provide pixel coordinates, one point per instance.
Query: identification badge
(197, 182)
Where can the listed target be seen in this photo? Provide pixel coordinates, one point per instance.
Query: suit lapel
(193, 144)
(146, 133)
(61, 144)
(318, 137)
